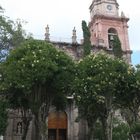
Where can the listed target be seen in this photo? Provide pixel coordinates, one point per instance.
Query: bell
(111, 37)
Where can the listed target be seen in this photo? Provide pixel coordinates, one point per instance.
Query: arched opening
(57, 126)
(111, 34)
(19, 128)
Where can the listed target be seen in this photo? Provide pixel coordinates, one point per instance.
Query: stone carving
(74, 37)
(19, 128)
(47, 34)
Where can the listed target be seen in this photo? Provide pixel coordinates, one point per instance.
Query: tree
(11, 34)
(117, 50)
(96, 84)
(86, 35)
(129, 95)
(3, 115)
(34, 74)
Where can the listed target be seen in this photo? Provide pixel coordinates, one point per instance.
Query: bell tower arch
(105, 23)
(112, 32)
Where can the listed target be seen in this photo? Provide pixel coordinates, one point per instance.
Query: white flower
(89, 78)
(22, 86)
(110, 83)
(80, 60)
(33, 65)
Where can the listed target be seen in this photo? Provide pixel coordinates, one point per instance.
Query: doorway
(57, 126)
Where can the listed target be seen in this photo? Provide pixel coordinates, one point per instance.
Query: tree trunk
(37, 129)
(91, 133)
(135, 114)
(26, 118)
(107, 125)
(26, 126)
(44, 132)
(41, 128)
(91, 128)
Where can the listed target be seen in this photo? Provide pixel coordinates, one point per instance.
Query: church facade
(104, 25)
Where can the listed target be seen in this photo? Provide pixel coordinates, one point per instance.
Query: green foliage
(60, 102)
(138, 75)
(96, 85)
(1, 9)
(117, 50)
(97, 79)
(128, 95)
(35, 76)
(120, 130)
(86, 35)
(98, 131)
(40, 72)
(11, 34)
(135, 128)
(3, 115)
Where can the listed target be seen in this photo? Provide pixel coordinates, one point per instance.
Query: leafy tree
(3, 115)
(117, 50)
(35, 74)
(1, 9)
(86, 35)
(96, 84)
(130, 97)
(11, 34)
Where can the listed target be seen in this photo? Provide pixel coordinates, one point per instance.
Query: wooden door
(57, 126)
(62, 134)
(52, 134)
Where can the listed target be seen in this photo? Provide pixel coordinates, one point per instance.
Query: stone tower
(106, 23)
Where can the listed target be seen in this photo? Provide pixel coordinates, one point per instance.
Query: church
(105, 23)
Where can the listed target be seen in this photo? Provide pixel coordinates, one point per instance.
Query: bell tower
(104, 7)
(106, 23)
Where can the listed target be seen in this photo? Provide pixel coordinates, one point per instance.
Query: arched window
(111, 33)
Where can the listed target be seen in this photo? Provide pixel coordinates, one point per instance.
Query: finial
(74, 37)
(122, 14)
(47, 34)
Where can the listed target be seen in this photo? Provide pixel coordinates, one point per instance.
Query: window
(111, 33)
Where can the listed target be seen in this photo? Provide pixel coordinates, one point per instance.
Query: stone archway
(57, 126)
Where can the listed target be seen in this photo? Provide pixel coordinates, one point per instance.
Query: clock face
(109, 7)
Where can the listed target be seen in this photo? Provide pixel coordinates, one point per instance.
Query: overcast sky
(63, 15)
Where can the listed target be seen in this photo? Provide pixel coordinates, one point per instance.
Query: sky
(63, 15)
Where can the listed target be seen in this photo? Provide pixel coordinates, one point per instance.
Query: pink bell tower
(106, 23)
